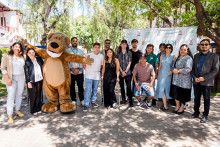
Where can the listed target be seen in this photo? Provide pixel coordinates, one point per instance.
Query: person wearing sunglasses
(107, 46)
(164, 76)
(205, 67)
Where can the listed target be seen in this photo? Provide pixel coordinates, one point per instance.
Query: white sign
(175, 36)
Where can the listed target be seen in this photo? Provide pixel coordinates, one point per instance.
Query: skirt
(181, 94)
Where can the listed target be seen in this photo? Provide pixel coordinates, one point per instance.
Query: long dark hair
(169, 45)
(112, 64)
(120, 48)
(27, 57)
(11, 52)
(188, 50)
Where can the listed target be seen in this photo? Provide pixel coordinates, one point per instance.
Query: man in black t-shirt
(136, 54)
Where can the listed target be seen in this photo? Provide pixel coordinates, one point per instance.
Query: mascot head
(57, 43)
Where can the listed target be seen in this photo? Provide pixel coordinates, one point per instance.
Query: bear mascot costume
(56, 72)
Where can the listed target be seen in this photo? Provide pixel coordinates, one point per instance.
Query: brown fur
(56, 73)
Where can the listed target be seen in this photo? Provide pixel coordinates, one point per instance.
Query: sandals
(10, 120)
(163, 108)
(19, 114)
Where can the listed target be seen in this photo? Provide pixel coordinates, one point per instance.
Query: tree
(202, 13)
(45, 14)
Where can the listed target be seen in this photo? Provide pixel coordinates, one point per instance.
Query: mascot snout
(54, 45)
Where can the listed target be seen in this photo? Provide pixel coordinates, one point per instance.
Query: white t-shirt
(93, 71)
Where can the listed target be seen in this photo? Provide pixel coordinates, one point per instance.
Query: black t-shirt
(135, 58)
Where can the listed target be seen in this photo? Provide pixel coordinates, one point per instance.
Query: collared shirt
(76, 51)
(152, 59)
(38, 72)
(143, 73)
(124, 60)
(202, 58)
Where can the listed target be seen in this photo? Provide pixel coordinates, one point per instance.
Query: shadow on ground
(113, 127)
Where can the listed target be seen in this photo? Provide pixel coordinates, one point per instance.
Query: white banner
(175, 36)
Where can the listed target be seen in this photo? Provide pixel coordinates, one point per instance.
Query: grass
(3, 90)
(215, 94)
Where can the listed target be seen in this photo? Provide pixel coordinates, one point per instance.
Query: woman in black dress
(34, 80)
(110, 75)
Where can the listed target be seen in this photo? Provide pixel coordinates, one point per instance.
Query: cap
(124, 41)
(142, 55)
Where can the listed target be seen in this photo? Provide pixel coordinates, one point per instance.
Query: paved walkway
(110, 127)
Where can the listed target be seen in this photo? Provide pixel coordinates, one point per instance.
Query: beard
(74, 45)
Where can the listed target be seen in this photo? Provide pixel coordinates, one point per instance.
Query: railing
(8, 38)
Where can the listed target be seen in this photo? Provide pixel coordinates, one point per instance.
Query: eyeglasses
(204, 44)
(169, 47)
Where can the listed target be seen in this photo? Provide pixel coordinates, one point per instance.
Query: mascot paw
(88, 60)
(49, 108)
(23, 42)
(67, 107)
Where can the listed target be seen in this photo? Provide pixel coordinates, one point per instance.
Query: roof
(3, 7)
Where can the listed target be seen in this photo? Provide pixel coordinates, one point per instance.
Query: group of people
(163, 76)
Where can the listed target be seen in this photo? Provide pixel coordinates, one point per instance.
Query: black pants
(198, 89)
(35, 95)
(109, 92)
(127, 80)
(79, 80)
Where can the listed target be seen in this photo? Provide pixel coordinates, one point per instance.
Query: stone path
(135, 127)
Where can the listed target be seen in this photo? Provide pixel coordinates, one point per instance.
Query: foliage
(205, 14)
(3, 90)
(2, 51)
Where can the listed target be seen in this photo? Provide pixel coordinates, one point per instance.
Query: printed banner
(175, 36)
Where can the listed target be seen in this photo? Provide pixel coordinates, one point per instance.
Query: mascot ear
(49, 36)
(68, 40)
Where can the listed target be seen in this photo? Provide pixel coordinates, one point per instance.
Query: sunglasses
(204, 44)
(169, 47)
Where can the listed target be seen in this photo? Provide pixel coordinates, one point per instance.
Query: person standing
(205, 67)
(144, 76)
(34, 80)
(162, 47)
(110, 75)
(182, 79)
(135, 57)
(125, 58)
(164, 77)
(76, 70)
(153, 60)
(92, 77)
(12, 67)
(107, 46)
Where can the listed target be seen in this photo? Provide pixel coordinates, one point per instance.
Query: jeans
(198, 89)
(91, 85)
(143, 89)
(15, 92)
(79, 79)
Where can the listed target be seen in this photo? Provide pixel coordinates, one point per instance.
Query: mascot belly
(54, 71)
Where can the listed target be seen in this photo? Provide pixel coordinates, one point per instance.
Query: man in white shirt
(76, 70)
(92, 77)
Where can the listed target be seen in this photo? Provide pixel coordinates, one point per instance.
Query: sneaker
(95, 105)
(115, 105)
(139, 104)
(85, 109)
(131, 105)
(148, 105)
(74, 102)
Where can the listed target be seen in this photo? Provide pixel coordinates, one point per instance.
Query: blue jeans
(90, 85)
(143, 89)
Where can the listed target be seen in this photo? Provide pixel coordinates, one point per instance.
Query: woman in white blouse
(13, 76)
(34, 80)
